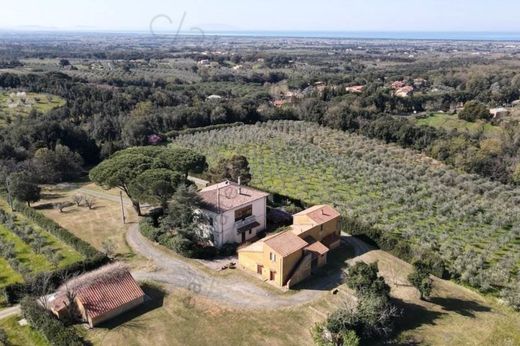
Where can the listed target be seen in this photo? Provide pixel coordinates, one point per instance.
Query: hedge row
(175, 133)
(61, 233)
(14, 293)
(57, 333)
(93, 259)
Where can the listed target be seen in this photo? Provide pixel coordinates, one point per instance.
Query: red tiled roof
(320, 214)
(104, 289)
(109, 294)
(286, 243)
(317, 248)
(225, 196)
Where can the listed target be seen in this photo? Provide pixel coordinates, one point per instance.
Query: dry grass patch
(95, 226)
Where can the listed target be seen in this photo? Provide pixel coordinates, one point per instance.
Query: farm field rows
(27, 249)
(465, 218)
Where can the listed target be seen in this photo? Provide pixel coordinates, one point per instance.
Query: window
(272, 257)
(243, 213)
(211, 221)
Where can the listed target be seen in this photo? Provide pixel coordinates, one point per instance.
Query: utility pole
(122, 207)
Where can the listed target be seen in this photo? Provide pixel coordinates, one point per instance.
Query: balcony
(247, 224)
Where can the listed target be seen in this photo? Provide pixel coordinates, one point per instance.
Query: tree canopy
(147, 174)
(232, 169)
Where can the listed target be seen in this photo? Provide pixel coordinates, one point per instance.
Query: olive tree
(21, 187)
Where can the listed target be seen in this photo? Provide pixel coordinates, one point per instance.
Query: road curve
(9, 312)
(233, 292)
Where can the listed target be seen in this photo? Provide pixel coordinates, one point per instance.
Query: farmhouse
(289, 257)
(97, 296)
(236, 213)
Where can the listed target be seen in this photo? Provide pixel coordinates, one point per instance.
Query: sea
(379, 35)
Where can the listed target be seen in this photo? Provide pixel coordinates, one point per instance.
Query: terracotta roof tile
(317, 248)
(104, 289)
(110, 294)
(286, 243)
(226, 196)
(320, 214)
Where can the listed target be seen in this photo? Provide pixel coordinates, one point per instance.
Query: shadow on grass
(154, 300)
(44, 206)
(331, 275)
(462, 307)
(414, 316)
(51, 195)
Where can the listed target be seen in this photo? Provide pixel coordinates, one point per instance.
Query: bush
(228, 250)
(420, 278)
(54, 330)
(4, 341)
(512, 296)
(364, 279)
(148, 229)
(474, 110)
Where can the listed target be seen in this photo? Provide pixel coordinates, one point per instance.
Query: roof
(286, 243)
(320, 214)
(317, 248)
(299, 229)
(226, 196)
(105, 289)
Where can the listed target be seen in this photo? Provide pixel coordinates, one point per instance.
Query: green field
(25, 260)
(451, 122)
(15, 104)
(470, 221)
(21, 336)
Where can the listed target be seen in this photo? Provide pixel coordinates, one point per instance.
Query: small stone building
(98, 296)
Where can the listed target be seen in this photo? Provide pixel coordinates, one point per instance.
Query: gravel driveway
(233, 292)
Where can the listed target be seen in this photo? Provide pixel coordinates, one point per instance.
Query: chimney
(239, 186)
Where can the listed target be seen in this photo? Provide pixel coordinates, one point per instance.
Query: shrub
(228, 250)
(420, 278)
(4, 341)
(364, 279)
(512, 296)
(54, 330)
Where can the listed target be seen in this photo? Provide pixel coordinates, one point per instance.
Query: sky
(262, 15)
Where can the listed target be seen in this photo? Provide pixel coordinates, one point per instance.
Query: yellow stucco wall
(289, 264)
(250, 260)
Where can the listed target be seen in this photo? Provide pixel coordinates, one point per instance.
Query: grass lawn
(451, 122)
(453, 316)
(181, 319)
(12, 105)
(22, 336)
(94, 226)
(8, 275)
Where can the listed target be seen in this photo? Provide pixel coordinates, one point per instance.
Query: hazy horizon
(267, 15)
